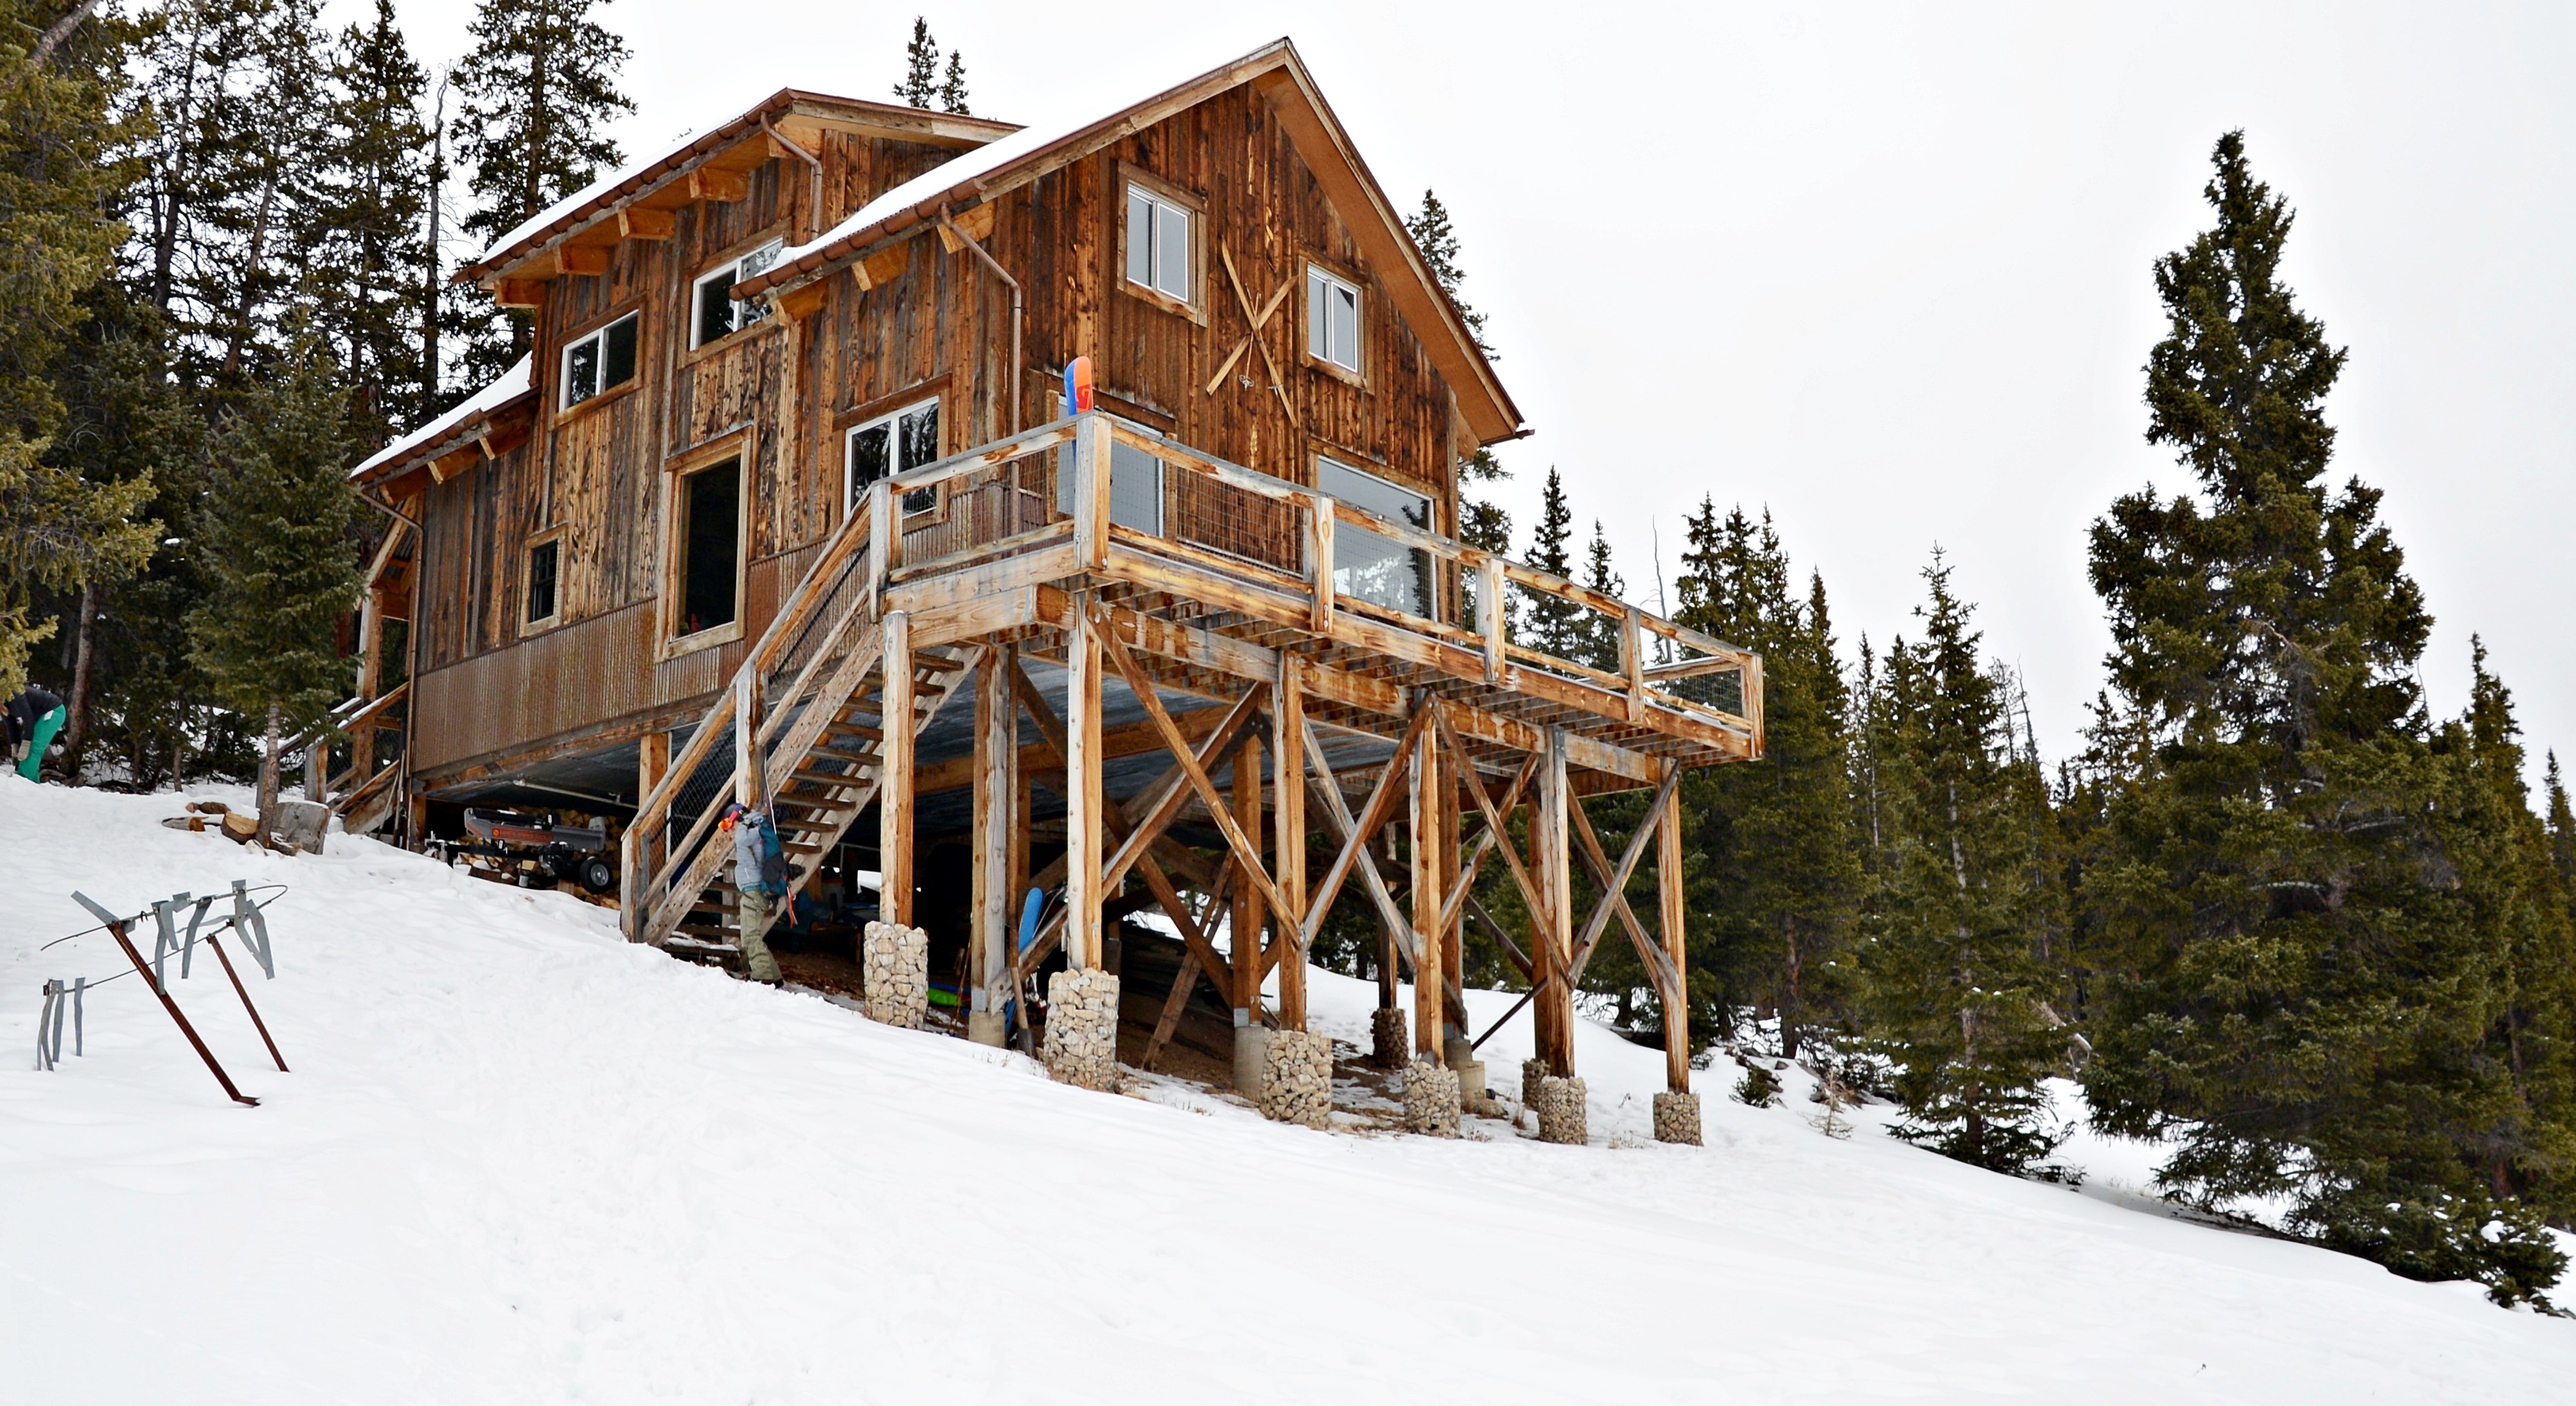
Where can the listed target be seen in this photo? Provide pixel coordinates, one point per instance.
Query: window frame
(1427, 565)
(730, 264)
(739, 447)
(598, 332)
(1331, 273)
(1132, 177)
(888, 411)
(539, 624)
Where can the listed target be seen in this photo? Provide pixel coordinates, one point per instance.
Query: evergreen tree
(1546, 623)
(2299, 983)
(952, 86)
(1481, 521)
(1956, 992)
(536, 95)
(369, 235)
(920, 85)
(2562, 826)
(275, 552)
(1600, 633)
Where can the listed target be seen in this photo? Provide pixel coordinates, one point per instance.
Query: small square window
(1158, 244)
(600, 361)
(1332, 319)
(889, 445)
(715, 313)
(543, 561)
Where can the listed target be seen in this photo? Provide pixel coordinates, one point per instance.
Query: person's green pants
(39, 739)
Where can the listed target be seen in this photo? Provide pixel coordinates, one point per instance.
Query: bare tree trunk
(76, 725)
(268, 767)
(1792, 1007)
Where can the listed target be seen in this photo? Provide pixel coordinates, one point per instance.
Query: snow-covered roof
(511, 385)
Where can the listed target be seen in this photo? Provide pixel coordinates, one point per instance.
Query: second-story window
(1332, 319)
(889, 445)
(716, 313)
(600, 361)
(1158, 243)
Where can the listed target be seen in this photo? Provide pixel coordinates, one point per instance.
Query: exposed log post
(1288, 840)
(1091, 491)
(997, 754)
(652, 763)
(1445, 919)
(1429, 886)
(747, 777)
(1552, 919)
(1319, 553)
(1083, 834)
(371, 677)
(894, 788)
(1668, 895)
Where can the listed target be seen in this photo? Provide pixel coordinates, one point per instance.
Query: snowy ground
(519, 1160)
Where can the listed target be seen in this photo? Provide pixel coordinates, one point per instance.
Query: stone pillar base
(1561, 1113)
(1677, 1118)
(987, 1028)
(1251, 1058)
(1431, 1099)
(1388, 1046)
(1298, 1084)
(1082, 1029)
(1533, 1073)
(895, 974)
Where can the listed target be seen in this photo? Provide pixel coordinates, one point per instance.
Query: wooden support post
(1445, 917)
(1319, 553)
(1084, 839)
(1668, 897)
(1091, 461)
(1429, 887)
(1489, 601)
(371, 678)
(997, 754)
(652, 763)
(1288, 833)
(748, 780)
(1552, 920)
(894, 789)
(1247, 915)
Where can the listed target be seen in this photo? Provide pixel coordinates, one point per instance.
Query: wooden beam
(724, 187)
(588, 259)
(1552, 918)
(1174, 1003)
(1532, 893)
(1083, 847)
(1614, 885)
(1588, 846)
(1490, 837)
(996, 759)
(642, 222)
(1429, 886)
(1355, 832)
(1676, 991)
(894, 783)
(520, 293)
(1288, 831)
(1245, 915)
(1134, 739)
(1171, 792)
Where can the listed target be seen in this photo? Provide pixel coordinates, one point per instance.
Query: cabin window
(600, 361)
(544, 559)
(718, 315)
(1367, 565)
(710, 525)
(889, 445)
(1158, 244)
(1332, 319)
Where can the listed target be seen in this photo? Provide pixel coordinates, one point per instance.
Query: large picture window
(716, 314)
(600, 361)
(1366, 565)
(1159, 244)
(1332, 319)
(709, 569)
(888, 445)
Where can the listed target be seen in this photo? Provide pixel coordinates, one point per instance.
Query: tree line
(229, 232)
(2276, 914)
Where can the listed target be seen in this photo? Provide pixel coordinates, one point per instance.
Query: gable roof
(462, 423)
(1278, 73)
(602, 197)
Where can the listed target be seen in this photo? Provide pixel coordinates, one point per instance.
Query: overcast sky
(1885, 269)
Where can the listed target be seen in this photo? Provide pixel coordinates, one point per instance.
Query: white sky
(1885, 269)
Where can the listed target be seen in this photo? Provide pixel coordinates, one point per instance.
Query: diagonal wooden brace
(1614, 885)
(1494, 822)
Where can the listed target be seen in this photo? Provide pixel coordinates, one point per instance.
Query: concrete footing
(1082, 1028)
(987, 1028)
(1298, 1084)
(1677, 1118)
(895, 975)
(1474, 1094)
(1431, 1099)
(1251, 1059)
(1561, 1112)
(1389, 1046)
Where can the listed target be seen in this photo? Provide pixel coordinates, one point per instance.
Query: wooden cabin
(791, 504)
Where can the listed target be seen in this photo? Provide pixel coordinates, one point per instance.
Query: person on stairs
(35, 715)
(759, 875)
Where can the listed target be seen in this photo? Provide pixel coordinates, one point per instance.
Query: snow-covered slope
(518, 1160)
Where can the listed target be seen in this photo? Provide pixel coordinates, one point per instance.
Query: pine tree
(952, 86)
(276, 555)
(2562, 826)
(1600, 633)
(920, 85)
(1956, 992)
(1546, 623)
(536, 95)
(1481, 521)
(2298, 982)
(370, 228)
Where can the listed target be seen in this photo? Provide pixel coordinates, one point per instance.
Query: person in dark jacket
(35, 715)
